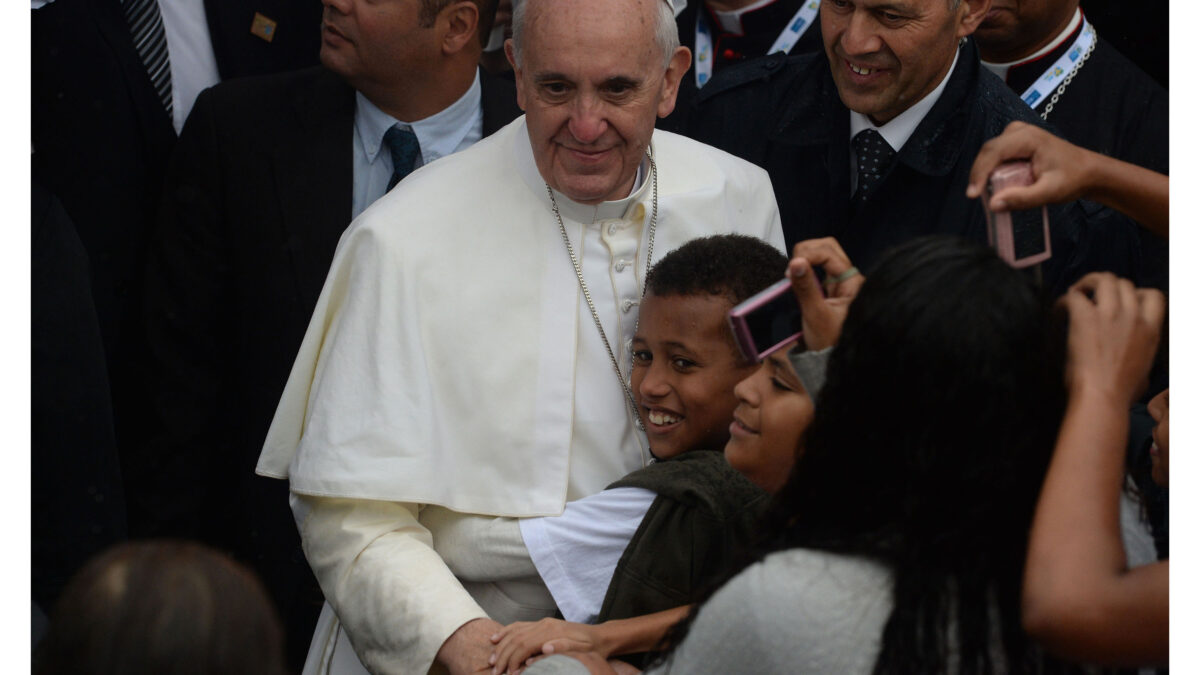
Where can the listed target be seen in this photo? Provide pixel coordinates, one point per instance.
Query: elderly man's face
(592, 82)
(888, 54)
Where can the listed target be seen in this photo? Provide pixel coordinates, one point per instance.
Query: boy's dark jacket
(703, 517)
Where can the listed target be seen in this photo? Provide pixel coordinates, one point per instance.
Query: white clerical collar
(1001, 69)
(731, 22)
(439, 134)
(584, 213)
(898, 129)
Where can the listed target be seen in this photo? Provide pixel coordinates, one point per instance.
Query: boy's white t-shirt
(577, 552)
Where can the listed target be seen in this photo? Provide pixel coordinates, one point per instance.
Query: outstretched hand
(1114, 332)
(1060, 169)
(519, 644)
(823, 312)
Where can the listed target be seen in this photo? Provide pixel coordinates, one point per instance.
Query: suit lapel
(110, 21)
(315, 178)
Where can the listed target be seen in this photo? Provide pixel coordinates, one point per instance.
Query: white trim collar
(1001, 69)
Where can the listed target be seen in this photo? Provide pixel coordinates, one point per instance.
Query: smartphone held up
(1020, 237)
(766, 321)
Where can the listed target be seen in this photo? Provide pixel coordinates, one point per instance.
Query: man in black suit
(267, 174)
(102, 138)
(1054, 59)
(871, 141)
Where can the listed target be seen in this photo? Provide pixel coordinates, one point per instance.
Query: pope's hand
(468, 648)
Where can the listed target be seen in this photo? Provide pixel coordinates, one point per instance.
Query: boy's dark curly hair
(733, 265)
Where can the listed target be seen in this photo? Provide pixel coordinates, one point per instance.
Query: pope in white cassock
(462, 361)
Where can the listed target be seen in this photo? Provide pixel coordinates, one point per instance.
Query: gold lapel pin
(263, 27)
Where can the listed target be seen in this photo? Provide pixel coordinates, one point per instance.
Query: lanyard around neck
(796, 27)
(1063, 68)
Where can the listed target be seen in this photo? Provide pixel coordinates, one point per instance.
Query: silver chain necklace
(587, 294)
(1070, 76)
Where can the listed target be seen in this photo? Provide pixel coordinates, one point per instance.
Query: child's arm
(1080, 601)
(517, 643)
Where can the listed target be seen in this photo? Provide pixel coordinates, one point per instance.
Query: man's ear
(458, 24)
(971, 14)
(517, 74)
(680, 62)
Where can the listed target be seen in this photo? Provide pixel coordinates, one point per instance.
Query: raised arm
(1064, 172)
(823, 309)
(1080, 600)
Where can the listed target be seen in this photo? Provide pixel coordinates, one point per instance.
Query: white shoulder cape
(438, 367)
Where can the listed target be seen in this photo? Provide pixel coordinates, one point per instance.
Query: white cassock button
(620, 266)
(612, 228)
(627, 305)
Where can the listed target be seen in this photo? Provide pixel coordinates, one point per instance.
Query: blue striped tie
(146, 28)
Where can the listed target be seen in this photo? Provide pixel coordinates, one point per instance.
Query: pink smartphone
(1022, 238)
(766, 321)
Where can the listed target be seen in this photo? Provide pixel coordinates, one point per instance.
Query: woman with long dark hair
(901, 534)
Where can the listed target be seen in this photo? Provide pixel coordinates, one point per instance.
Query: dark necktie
(874, 156)
(150, 40)
(404, 146)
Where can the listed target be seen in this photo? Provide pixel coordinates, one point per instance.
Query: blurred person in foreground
(164, 607)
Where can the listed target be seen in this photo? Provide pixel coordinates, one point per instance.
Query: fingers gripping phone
(766, 321)
(1021, 238)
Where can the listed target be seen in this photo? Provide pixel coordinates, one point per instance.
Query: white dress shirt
(454, 128)
(189, 46)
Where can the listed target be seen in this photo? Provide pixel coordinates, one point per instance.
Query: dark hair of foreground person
(162, 608)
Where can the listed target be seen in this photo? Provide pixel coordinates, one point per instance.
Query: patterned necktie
(404, 146)
(150, 40)
(874, 155)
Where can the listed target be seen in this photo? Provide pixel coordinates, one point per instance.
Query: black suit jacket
(784, 114)
(257, 195)
(102, 140)
(1113, 108)
(760, 29)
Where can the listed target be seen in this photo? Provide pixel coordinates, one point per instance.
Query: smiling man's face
(886, 55)
(592, 81)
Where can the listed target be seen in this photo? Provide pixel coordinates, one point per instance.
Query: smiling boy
(651, 539)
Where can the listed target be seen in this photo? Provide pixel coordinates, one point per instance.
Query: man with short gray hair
(470, 352)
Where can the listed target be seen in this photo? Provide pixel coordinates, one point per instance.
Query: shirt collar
(439, 134)
(371, 124)
(898, 130)
(1001, 69)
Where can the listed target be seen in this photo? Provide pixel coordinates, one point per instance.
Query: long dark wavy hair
(931, 438)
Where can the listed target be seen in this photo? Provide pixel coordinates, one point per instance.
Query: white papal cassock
(452, 365)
